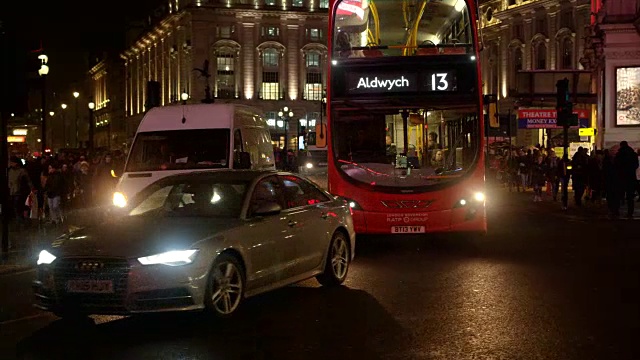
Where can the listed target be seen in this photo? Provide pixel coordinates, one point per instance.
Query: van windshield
(179, 150)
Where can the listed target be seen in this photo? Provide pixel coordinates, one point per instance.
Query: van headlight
(171, 258)
(119, 199)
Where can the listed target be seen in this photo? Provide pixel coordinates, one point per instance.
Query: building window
(566, 18)
(313, 87)
(225, 79)
(518, 31)
(270, 85)
(324, 4)
(270, 58)
(270, 31)
(270, 2)
(512, 2)
(314, 34)
(225, 31)
(313, 60)
(567, 54)
(297, 3)
(540, 56)
(271, 117)
(541, 22)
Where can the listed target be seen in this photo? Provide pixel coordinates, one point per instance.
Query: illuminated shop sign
(401, 82)
(628, 96)
(547, 118)
(16, 139)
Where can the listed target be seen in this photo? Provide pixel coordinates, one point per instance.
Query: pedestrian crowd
(610, 174)
(42, 189)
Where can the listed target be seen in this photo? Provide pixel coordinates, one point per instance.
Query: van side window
(237, 148)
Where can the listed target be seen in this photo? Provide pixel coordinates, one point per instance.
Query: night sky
(72, 30)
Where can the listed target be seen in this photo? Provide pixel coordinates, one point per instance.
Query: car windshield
(221, 198)
(405, 150)
(180, 150)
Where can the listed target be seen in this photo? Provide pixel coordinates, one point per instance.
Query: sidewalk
(589, 211)
(26, 242)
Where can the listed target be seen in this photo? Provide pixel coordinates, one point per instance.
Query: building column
(553, 40)
(528, 35)
(293, 45)
(248, 61)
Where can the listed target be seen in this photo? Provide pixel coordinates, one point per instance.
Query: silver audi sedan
(199, 241)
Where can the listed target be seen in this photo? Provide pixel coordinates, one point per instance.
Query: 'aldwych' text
(378, 83)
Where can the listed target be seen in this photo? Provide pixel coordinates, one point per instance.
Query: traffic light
(564, 106)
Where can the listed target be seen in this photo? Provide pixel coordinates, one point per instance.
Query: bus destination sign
(401, 82)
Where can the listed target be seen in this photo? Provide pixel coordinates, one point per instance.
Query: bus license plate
(407, 229)
(90, 286)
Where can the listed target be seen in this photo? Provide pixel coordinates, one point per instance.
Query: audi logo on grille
(89, 265)
(406, 204)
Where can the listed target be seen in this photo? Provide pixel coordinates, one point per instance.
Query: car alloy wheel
(226, 286)
(338, 260)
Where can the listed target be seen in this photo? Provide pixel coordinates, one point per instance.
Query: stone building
(269, 54)
(615, 58)
(540, 35)
(107, 80)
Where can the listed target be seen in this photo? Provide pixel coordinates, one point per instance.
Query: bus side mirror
(244, 161)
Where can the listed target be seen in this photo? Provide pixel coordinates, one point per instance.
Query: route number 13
(439, 82)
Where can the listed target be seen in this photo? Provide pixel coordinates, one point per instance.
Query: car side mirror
(244, 160)
(268, 208)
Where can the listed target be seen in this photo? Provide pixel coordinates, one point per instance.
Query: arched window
(226, 72)
(539, 55)
(566, 53)
(270, 74)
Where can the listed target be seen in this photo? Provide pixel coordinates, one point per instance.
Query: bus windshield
(372, 28)
(179, 150)
(398, 148)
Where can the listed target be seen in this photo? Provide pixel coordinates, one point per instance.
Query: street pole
(76, 124)
(92, 106)
(43, 137)
(4, 185)
(565, 162)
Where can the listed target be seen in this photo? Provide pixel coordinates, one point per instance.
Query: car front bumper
(120, 287)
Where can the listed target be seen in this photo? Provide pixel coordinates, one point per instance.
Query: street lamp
(43, 72)
(76, 95)
(184, 97)
(64, 126)
(92, 106)
(286, 114)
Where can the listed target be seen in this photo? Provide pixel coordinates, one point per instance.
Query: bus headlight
(479, 196)
(119, 199)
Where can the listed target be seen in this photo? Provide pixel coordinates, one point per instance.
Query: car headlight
(119, 199)
(171, 258)
(45, 258)
(309, 165)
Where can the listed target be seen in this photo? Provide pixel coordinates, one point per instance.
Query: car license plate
(90, 286)
(407, 229)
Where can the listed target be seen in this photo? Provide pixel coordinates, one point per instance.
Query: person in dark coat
(626, 163)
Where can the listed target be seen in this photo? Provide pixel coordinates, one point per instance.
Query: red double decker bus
(405, 115)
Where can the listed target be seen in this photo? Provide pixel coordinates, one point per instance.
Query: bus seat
(372, 53)
(454, 50)
(427, 51)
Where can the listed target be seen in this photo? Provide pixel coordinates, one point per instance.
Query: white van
(184, 138)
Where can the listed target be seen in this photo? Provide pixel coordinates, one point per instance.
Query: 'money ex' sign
(546, 118)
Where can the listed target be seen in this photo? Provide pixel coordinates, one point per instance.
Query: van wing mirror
(243, 161)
